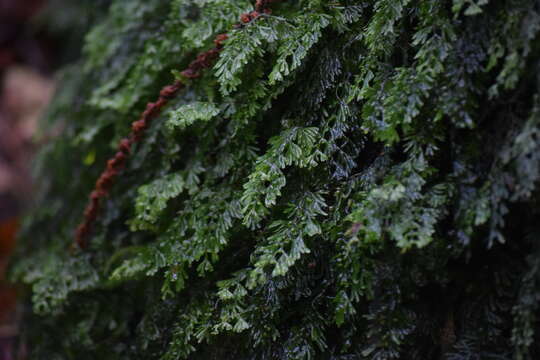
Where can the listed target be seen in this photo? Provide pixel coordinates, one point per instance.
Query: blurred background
(37, 37)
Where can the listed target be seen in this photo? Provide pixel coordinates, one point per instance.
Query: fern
(351, 180)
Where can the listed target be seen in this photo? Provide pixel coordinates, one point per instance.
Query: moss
(350, 180)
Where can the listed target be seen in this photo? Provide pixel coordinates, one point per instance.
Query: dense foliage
(352, 180)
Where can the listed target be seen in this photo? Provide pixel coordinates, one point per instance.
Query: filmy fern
(349, 180)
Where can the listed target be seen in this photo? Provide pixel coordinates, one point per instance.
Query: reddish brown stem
(116, 164)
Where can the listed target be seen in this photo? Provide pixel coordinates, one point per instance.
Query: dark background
(37, 37)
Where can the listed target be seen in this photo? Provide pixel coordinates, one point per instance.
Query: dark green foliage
(353, 180)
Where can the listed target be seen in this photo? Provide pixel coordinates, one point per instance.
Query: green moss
(351, 180)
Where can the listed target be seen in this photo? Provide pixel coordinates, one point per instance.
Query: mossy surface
(351, 180)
